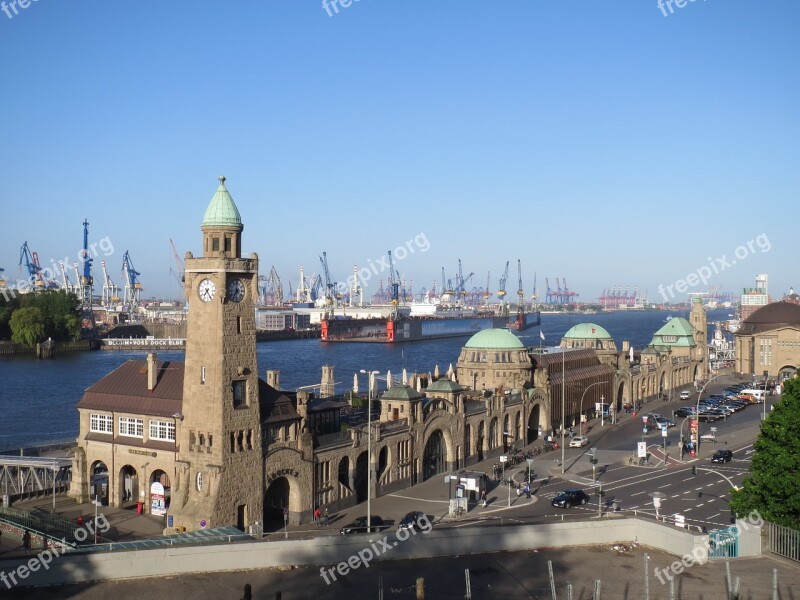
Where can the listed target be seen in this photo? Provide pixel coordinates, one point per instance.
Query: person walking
(26, 542)
(483, 498)
(317, 514)
(325, 517)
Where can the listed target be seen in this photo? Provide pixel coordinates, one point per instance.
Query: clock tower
(219, 467)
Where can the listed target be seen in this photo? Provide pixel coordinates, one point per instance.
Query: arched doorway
(98, 482)
(434, 456)
(159, 496)
(534, 424)
(620, 396)
(787, 372)
(361, 479)
(517, 426)
(383, 463)
(493, 433)
(479, 441)
(344, 472)
(276, 504)
(467, 440)
(129, 485)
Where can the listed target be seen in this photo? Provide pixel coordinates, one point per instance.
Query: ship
(524, 320)
(415, 322)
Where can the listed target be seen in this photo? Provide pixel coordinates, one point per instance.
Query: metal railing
(784, 541)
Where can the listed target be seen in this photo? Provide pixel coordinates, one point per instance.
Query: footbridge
(29, 476)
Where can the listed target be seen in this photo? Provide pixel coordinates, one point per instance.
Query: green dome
(444, 385)
(401, 392)
(587, 331)
(222, 211)
(495, 339)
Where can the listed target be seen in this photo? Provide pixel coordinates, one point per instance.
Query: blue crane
(31, 260)
(86, 280)
(133, 287)
(330, 285)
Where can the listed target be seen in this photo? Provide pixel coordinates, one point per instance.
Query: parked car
(412, 520)
(722, 456)
(684, 411)
(686, 395)
(360, 525)
(570, 498)
(663, 421)
(579, 441)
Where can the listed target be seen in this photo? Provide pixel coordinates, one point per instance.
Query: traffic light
(694, 470)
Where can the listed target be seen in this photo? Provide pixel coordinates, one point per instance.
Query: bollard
(248, 592)
(421, 588)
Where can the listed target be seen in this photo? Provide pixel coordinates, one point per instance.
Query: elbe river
(38, 397)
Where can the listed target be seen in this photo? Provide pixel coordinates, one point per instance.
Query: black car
(684, 411)
(412, 520)
(360, 525)
(570, 498)
(722, 456)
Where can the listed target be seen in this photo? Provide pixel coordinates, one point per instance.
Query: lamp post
(766, 375)
(602, 410)
(563, 391)
(529, 460)
(369, 374)
(697, 413)
(584, 395)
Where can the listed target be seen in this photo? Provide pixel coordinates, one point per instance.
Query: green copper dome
(222, 211)
(587, 331)
(494, 339)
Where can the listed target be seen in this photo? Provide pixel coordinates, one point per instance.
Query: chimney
(152, 373)
(274, 379)
(626, 345)
(327, 383)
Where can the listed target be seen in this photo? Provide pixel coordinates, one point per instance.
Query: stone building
(768, 341)
(208, 443)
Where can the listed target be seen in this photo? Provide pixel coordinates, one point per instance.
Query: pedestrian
(527, 490)
(26, 542)
(325, 517)
(317, 514)
(483, 497)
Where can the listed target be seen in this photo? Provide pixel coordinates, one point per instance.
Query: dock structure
(143, 344)
(27, 476)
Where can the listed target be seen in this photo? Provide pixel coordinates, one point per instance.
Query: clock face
(207, 289)
(236, 290)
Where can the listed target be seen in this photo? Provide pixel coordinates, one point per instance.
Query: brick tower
(219, 471)
(699, 320)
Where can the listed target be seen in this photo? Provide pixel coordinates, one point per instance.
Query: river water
(38, 397)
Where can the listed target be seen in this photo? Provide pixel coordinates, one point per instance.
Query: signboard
(663, 431)
(203, 523)
(644, 419)
(285, 514)
(693, 430)
(470, 483)
(158, 500)
(641, 450)
(503, 458)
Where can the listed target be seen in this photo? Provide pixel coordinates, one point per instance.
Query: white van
(757, 394)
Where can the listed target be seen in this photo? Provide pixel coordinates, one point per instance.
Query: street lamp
(369, 374)
(563, 390)
(582, 397)
(529, 460)
(602, 410)
(766, 375)
(697, 414)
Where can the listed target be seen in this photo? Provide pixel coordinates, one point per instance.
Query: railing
(334, 439)
(784, 541)
(46, 525)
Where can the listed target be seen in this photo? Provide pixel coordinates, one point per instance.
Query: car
(360, 525)
(579, 441)
(722, 456)
(412, 520)
(686, 395)
(570, 498)
(684, 411)
(663, 421)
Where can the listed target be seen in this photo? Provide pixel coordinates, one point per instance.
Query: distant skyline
(610, 144)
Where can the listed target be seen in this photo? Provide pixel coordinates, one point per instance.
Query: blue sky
(598, 141)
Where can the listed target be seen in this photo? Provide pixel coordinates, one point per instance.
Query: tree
(773, 486)
(27, 326)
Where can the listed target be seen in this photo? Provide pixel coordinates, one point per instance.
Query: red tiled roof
(125, 390)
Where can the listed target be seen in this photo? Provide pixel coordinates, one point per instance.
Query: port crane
(303, 292)
(180, 271)
(520, 289)
(133, 288)
(110, 289)
(86, 280)
(273, 291)
(355, 291)
(315, 287)
(330, 287)
(394, 286)
(31, 260)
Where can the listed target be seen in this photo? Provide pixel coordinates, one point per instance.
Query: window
(238, 324)
(215, 244)
(199, 481)
(101, 423)
(239, 394)
(202, 375)
(131, 427)
(227, 243)
(162, 430)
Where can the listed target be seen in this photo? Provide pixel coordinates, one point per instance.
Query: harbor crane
(355, 291)
(273, 295)
(303, 292)
(331, 296)
(110, 289)
(502, 292)
(394, 286)
(520, 289)
(31, 261)
(534, 297)
(315, 287)
(86, 280)
(180, 271)
(133, 288)
(64, 277)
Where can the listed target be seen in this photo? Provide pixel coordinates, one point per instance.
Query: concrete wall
(330, 551)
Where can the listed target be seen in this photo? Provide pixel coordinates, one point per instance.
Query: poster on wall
(158, 501)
